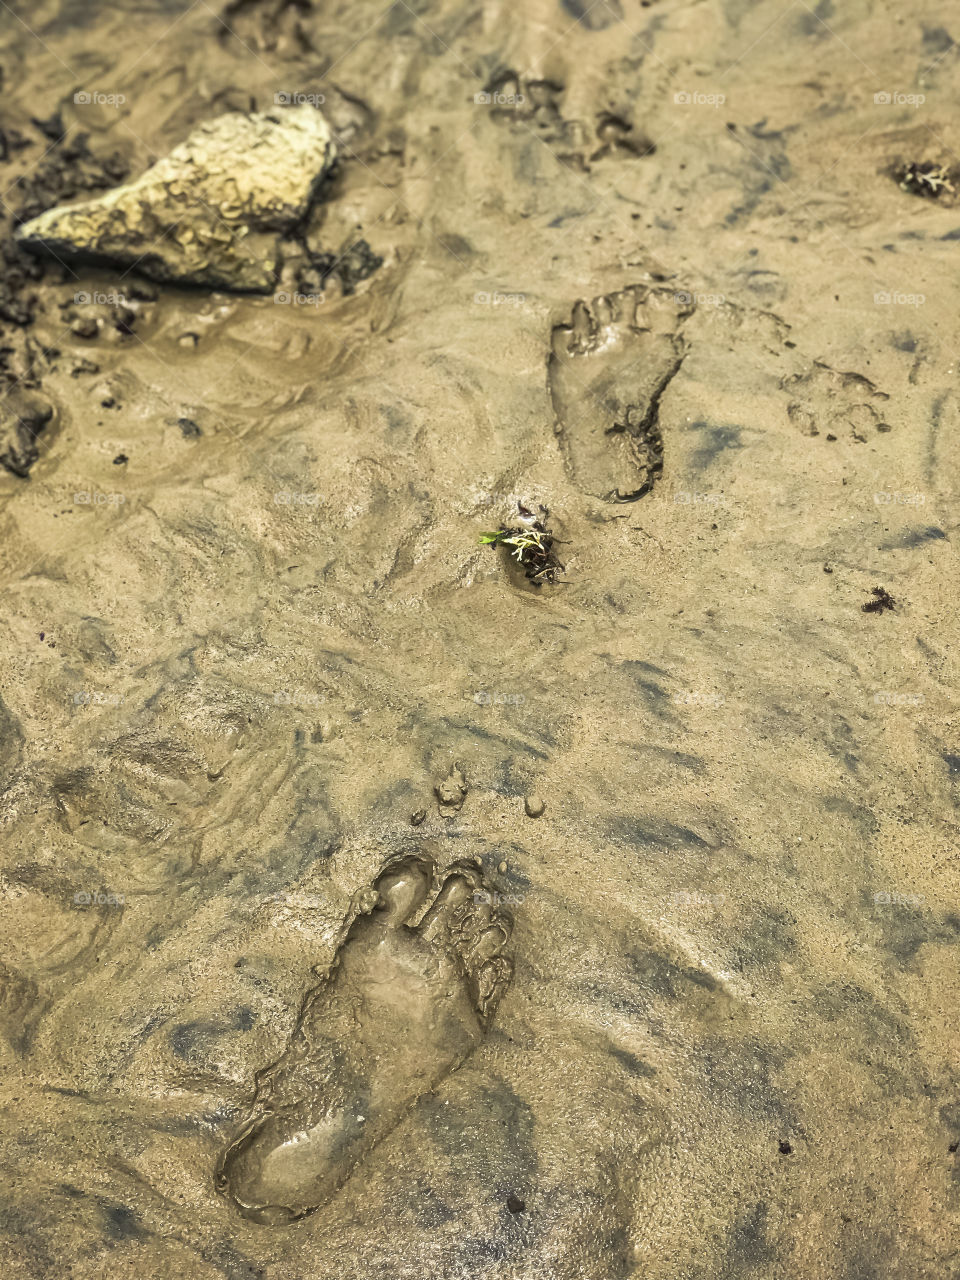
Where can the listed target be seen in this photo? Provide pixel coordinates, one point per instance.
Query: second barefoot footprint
(401, 1008)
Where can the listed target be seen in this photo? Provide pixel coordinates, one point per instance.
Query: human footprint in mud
(609, 368)
(402, 1006)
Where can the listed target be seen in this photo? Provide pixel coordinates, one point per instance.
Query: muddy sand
(374, 908)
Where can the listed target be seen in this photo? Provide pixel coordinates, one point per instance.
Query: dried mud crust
(402, 1007)
(607, 373)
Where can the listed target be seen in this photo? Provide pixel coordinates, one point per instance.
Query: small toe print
(490, 943)
(456, 891)
(491, 982)
(403, 889)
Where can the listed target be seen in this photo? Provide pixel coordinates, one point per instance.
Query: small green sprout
(531, 547)
(929, 180)
(522, 543)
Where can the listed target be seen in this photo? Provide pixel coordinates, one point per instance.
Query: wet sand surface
(253, 650)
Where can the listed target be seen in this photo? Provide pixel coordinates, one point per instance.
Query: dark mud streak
(767, 285)
(933, 436)
(878, 1023)
(516, 777)
(813, 22)
(657, 700)
(905, 929)
(719, 439)
(914, 538)
(695, 764)
(663, 978)
(644, 666)
(592, 16)
(604, 995)
(123, 1223)
(311, 835)
(766, 938)
(937, 40)
(740, 1076)
(23, 1003)
(456, 730)
(862, 817)
(632, 1064)
(506, 1157)
(769, 171)
(432, 1211)
(749, 1247)
(664, 834)
(11, 745)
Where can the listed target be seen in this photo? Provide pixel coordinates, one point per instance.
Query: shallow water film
(479, 720)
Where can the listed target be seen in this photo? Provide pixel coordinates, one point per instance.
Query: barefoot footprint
(401, 1007)
(608, 371)
(841, 401)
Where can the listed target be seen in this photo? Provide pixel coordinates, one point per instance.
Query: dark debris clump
(928, 180)
(530, 544)
(354, 263)
(882, 599)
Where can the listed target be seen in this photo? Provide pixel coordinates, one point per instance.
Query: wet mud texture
(253, 651)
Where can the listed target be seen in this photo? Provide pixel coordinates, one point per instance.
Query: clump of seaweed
(928, 180)
(530, 544)
(882, 599)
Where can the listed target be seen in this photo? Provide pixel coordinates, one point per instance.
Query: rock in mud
(210, 213)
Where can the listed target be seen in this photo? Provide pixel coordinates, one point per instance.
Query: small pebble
(502, 867)
(85, 327)
(418, 817)
(534, 805)
(828, 568)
